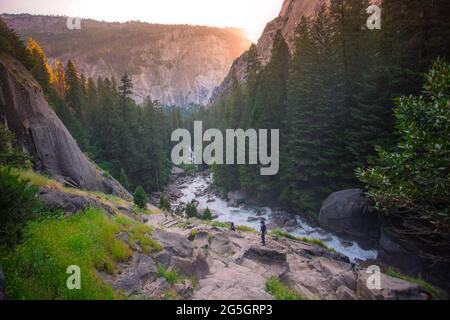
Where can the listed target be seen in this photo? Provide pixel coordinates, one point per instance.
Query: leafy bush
(18, 203)
(140, 197)
(191, 210)
(410, 183)
(280, 292)
(207, 215)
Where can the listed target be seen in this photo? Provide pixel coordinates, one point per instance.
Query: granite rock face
(41, 133)
(175, 64)
(286, 22)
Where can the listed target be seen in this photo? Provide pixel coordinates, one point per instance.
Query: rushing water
(240, 215)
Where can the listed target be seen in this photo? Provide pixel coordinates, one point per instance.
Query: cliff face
(41, 133)
(175, 64)
(287, 21)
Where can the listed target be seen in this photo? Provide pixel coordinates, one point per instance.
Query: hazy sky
(251, 15)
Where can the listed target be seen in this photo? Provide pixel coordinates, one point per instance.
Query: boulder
(41, 133)
(265, 255)
(176, 171)
(391, 289)
(235, 198)
(344, 293)
(68, 202)
(174, 243)
(347, 213)
(2, 284)
(141, 270)
(197, 267)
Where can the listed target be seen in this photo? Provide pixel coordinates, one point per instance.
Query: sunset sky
(250, 15)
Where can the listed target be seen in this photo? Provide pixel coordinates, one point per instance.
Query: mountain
(175, 64)
(287, 20)
(39, 131)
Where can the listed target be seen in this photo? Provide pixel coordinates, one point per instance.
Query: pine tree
(41, 70)
(140, 197)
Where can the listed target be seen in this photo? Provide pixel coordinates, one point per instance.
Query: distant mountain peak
(175, 64)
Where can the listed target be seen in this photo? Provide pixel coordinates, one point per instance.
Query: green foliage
(140, 197)
(36, 269)
(191, 210)
(164, 204)
(18, 204)
(207, 215)
(10, 155)
(10, 43)
(172, 276)
(280, 292)
(411, 180)
(139, 235)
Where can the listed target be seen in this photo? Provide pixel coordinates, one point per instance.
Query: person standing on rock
(263, 232)
(232, 227)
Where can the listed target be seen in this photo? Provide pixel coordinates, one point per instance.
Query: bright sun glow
(250, 15)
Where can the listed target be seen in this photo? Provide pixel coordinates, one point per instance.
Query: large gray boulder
(174, 243)
(41, 133)
(347, 213)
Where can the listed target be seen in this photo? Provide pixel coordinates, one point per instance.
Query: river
(240, 216)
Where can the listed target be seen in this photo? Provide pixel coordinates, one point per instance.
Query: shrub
(164, 204)
(140, 197)
(410, 182)
(280, 292)
(207, 215)
(18, 203)
(191, 210)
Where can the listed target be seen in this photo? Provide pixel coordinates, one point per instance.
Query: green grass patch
(218, 224)
(432, 290)
(246, 229)
(280, 292)
(284, 234)
(172, 276)
(36, 269)
(138, 234)
(36, 179)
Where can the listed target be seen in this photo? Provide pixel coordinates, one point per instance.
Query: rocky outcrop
(41, 133)
(175, 64)
(347, 213)
(235, 198)
(391, 289)
(286, 22)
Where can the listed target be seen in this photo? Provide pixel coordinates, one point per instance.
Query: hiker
(232, 228)
(263, 232)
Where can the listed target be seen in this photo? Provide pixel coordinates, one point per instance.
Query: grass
(36, 269)
(433, 291)
(218, 224)
(36, 179)
(171, 276)
(280, 292)
(138, 234)
(246, 229)
(284, 234)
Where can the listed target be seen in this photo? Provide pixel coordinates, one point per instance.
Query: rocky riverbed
(198, 188)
